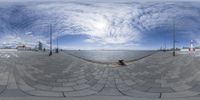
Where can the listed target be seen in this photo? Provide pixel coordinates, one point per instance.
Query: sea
(109, 56)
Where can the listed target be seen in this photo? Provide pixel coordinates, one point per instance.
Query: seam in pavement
(36, 95)
(16, 72)
(6, 84)
(120, 90)
(15, 75)
(62, 92)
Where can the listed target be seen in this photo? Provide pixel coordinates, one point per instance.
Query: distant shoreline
(111, 50)
(8, 49)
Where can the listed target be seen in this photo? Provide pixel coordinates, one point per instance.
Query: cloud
(106, 24)
(28, 33)
(103, 23)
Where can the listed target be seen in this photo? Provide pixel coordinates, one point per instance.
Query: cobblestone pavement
(61, 75)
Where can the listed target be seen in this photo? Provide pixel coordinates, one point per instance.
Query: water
(109, 56)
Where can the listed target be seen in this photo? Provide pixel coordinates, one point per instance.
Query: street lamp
(174, 39)
(50, 53)
(57, 46)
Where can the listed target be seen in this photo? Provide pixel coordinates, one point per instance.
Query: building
(39, 46)
(21, 47)
(190, 48)
(185, 49)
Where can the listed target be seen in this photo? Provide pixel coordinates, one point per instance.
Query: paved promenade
(26, 75)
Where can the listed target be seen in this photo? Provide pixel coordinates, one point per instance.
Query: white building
(191, 48)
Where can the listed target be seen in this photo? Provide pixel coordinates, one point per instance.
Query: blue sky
(100, 25)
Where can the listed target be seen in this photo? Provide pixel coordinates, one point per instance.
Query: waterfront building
(40, 45)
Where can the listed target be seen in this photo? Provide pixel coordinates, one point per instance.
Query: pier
(27, 74)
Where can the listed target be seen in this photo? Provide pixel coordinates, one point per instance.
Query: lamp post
(50, 53)
(165, 46)
(174, 39)
(57, 46)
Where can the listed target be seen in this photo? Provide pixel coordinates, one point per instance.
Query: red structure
(21, 47)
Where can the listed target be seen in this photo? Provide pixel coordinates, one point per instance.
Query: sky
(87, 24)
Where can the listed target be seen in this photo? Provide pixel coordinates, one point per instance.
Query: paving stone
(151, 84)
(13, 93)
(4, 78)
(97, 87)
(22, 85)
(102, 81)
(182, 87)
(61, 80)
(92, 82)
(110, 92)
(119, 81)
(195, 88)
(179, 94)
(81, 86)
(55, 84)
(141, 87)
(2, 88)
(62, 89)
(81, 81)
(160, 90)
(123, 87)
(3, 82)
(135, 93)
(144, 78)
(85, 92)
(43, 87)
(129, 82)
(110, 83)
(45, 93)
(69, 84)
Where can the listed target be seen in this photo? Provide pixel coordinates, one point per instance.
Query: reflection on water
(108, 55)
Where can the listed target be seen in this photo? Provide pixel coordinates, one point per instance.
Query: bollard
(121, 62)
